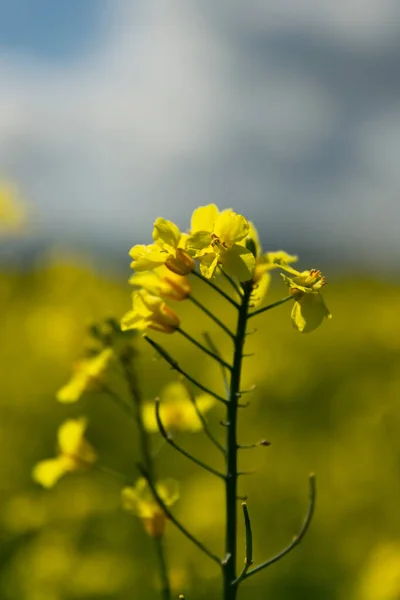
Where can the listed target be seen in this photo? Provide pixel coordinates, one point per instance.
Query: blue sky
(48, 30)
(113, 112)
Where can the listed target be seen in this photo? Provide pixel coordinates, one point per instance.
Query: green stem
(231, 282)
(174, 365)
(211, 315)
(165, 591)
(217, 289)
(229, 564)
(181, 450)
(216, 357)
(273, 305)
(137, 402)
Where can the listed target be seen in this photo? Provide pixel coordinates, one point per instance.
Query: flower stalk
(229, 565)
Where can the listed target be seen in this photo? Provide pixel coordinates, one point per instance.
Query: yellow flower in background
(215, 241)
(74, 454)
(177, 410)
(309, 309)
(168, 249)
(149, 312)
(88, 373)
(162, 282)
(380, 576)
(12, 211)
(140, 501)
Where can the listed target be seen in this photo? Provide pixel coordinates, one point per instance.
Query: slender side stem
(211, 315)
(204, 423)
(273, 305)
(175, 521)
(173, 363)
(216, 357)
(127, 408)
(130, 375)
(232, 283)
(248, 558)
(165, 591)
(217, 289)
(297, 538)
(172, 443)
(215, 349)
(229, 566)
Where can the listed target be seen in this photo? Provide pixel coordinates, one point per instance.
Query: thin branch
(175, 521)
(256, 445)
(212, 316)
(171, 442)
(273, 305)
(173, 363)
(216, 357)
(217, 289)
(297, 539)
(248, 560)
(214, 348)
(127, 408)
(114, 474)
(204, 423)
(232, 282)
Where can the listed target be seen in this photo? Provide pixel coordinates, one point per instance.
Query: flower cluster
(217, 241)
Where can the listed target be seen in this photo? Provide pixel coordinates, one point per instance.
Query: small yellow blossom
(12, 211)
(309, 309)
(74, 454)
(177, 410)
(88, 373)
(162, 282)
(215, 241)
(168, 249)
(140, 501)
(149, 312)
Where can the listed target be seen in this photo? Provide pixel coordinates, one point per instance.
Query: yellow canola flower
(74, 454)
(265, 263)
(309, 309)
(177, 410)
(12, 211)
(215, 241)
(151, 312)
(88, 373)
(162, 282)
(168, 249)
(140, 501)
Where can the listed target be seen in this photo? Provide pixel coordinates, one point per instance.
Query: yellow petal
(198, 241)
(203, 218)
(208, 265)
(238, 262)
(166, 232)
(73, 390)
(88, 371)
(261, 284)
(231, 227)
(132, 320)
(168, 490)
(149, 417)
(48, 472)
(308, 312)
(146, 258)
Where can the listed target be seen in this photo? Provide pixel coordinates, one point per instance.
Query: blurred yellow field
(328, 403)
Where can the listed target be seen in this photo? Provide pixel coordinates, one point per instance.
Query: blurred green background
(328, 402)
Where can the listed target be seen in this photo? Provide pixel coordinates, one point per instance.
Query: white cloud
(167, 110)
